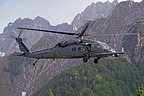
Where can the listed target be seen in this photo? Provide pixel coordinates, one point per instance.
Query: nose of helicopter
(112, 50)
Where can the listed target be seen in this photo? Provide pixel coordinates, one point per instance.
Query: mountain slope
(94, 11)
(7, 41)
(11, 31)
(23, 77)
(123, 19)
(108, 78)
(90, 13)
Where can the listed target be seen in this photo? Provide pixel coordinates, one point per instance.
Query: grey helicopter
(69, 49)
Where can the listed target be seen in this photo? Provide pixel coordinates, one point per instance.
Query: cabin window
(73, 49)
(79, 48)
(88, 47)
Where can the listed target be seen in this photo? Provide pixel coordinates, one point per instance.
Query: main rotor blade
(21, 31)
(84, 29)
(50, 31)
(118, 34)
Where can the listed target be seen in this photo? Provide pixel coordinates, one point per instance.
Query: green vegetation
(140, 91)
(107, 78)
(50, 93)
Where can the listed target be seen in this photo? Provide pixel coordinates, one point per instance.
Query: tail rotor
(20, 33)
(18, 39)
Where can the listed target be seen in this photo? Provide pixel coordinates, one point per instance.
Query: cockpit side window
(79, 48)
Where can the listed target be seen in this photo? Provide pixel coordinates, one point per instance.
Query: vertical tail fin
(22, 46)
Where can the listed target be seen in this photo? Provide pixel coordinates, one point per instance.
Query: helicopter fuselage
(69, 49)
(74, 50)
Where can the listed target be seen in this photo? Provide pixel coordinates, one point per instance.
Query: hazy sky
(55, 11)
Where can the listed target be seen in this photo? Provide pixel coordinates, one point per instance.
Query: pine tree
(80, 94)
(91, 94)
(140, 91)
(50, 92)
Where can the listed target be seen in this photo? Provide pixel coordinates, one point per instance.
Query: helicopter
(69, 49)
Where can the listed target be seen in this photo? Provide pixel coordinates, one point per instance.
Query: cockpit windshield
(103, 45)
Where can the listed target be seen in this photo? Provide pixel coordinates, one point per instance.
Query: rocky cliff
(7, 39)
(94, 11)
(8, 44)
(122, 20)
(17, 74)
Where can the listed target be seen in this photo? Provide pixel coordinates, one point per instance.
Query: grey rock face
(94, 11)
(7, 39)
(123, 19)
(10, 32)
(120, 21)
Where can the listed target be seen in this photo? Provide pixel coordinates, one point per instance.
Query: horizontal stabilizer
(17, 54)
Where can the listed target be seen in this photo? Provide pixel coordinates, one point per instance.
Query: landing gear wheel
(86, 57)
(116, 55)
(85, 60)
(33, 64)
(95, 61)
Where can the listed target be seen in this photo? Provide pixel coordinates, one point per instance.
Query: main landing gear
(116, 55)
(87, 57)
(96, 60)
